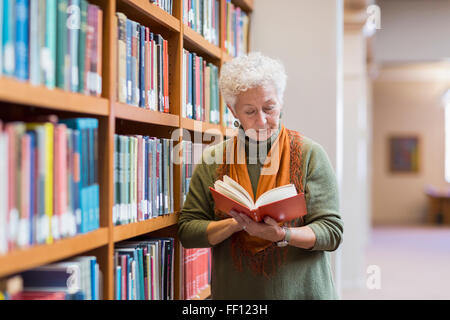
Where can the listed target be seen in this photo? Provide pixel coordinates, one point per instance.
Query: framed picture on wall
(404, 154)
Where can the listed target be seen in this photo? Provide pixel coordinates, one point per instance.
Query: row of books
(143, 66)
(196, 271)
(143, 178)
(56, 43)
(144, 269)
(48, 181)
(235, 30)
(191, 155)
(166, 5)
(203, 16)
(79, 278)
(200, 91)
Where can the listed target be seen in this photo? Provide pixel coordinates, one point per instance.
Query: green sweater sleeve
(322, 200)
(197, 211)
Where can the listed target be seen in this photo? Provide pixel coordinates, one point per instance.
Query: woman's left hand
(268, 230)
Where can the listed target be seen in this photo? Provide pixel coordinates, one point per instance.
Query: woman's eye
(249, 112)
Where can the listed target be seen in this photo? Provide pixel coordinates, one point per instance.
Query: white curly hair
(250, 71)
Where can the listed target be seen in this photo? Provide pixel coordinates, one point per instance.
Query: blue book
(141, 274)
(88, 196)
(33, 179)
(35, 48)
(129, 81)
(22, 39)
(93, 262)
(9, 37)
(59, 276)
(142, 66)
(118, 283)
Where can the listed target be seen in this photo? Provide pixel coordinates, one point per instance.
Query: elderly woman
(265, 260)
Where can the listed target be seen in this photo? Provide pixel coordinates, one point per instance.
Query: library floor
(414, 264)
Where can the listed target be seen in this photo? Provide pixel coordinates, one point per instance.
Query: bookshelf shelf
(198, 43)
(18, 92)
(127, 112)
(131, 230)
(198, 126)
(152, 11)
(23, 259)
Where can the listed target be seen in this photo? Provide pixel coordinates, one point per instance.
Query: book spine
(122, 57)
(82, 46)
(166, 76)
(93, 74)
(9, 36)
(98, 73)
(35, 72)
(73, 24)
(142, 58)
(22, 39)
(147, 66)
(62, 48)
(1, 39)
(88, 49)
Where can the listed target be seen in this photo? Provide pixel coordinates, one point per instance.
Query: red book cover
(197, 88)
(93, 56)
(123, 263)
(60, 177)
(25, 188)
(282, 210)
(203, 90)
(99, 51)
(87, 58)
(166, 75)
(223, 23)
(39, 295)
(12, 172)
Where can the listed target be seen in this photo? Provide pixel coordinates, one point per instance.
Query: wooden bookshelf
(110, 112)
(23, 259)
(23, 93)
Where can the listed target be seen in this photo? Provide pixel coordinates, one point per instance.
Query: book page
(276, 194)
(232, 193)
(238, 187)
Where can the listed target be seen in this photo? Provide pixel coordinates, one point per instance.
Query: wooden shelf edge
(155, 13)
(14, 91)
(128, 112)
(132, 230)
(201, 43)
(204, 294)
(23, 259)
(199, 126)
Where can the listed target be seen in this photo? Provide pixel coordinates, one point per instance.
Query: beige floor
(414, 264)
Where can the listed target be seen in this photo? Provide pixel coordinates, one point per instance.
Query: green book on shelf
(61, 45)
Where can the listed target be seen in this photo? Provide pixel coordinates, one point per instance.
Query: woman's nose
(261, 120)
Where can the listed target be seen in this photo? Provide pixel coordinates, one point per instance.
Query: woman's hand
(268, 230)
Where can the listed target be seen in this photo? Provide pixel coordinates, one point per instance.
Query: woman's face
(258, 110)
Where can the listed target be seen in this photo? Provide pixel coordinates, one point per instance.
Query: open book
(281, 203)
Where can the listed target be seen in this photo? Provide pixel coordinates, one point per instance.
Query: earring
(236, 123)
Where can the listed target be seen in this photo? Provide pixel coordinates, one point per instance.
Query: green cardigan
(305, 274)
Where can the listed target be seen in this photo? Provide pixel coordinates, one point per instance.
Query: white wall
(356, 183)
(413, 30)
(306, 36)
(303, 35)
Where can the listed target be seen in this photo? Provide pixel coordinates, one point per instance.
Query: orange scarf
(276, 171)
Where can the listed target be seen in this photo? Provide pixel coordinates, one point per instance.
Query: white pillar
(307, 36)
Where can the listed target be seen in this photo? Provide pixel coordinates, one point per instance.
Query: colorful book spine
(22, 39)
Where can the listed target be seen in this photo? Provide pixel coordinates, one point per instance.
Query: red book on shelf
(166, 75)
(99, 31)
(281, 203)
(39, 295)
